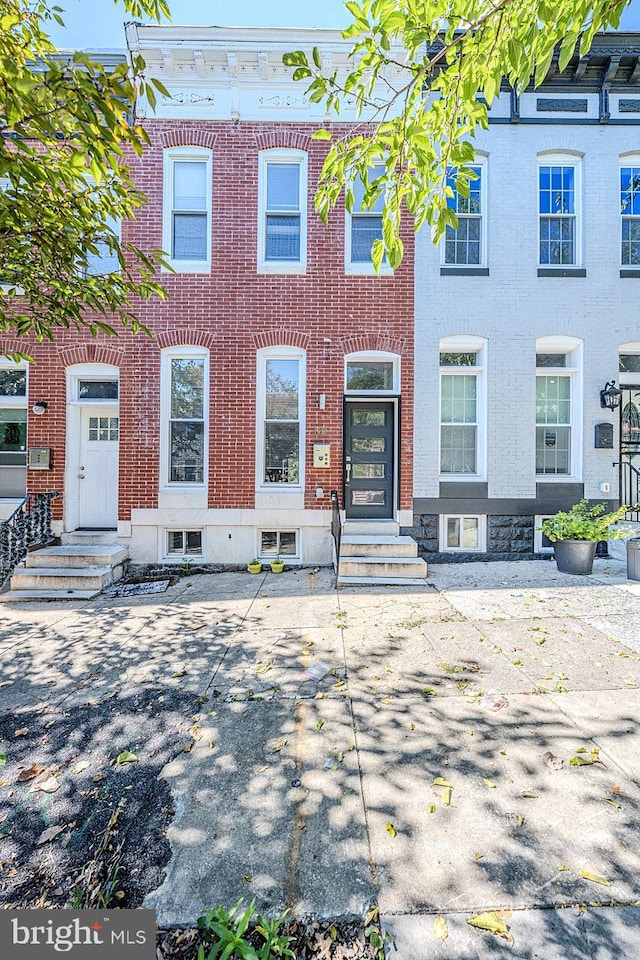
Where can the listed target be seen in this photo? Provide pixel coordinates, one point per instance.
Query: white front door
(98, 466)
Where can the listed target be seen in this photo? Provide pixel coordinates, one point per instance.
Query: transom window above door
(98, 390)
(372, 373)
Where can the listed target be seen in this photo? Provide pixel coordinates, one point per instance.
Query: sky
(97, 24)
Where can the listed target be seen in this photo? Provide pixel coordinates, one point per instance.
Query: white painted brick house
(544, 265)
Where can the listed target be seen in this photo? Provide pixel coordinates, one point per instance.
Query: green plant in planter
(277, 565)
(254, 566)
(582, 522)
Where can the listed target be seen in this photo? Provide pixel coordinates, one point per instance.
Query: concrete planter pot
(575, 556)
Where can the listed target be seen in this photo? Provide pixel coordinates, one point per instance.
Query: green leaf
(593, 878)
(3, 759)
(321, 135)
(492, 922)
(127, 757)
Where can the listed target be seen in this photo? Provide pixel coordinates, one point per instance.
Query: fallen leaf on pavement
(48, 835)
(612, 803)
(320, 724)
(615, 791)
(28, 773)
(441, 782)
(391, 829)
(440, 928)
(593, 877)
(50, 785)
(492, 922)
(529, 795)
(22, 732)
(489, 783)
(3, 759)
(79, 767)
(127, 757)
(178, 673)
(278, 744)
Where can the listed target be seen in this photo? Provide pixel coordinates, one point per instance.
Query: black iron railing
(336, 525)
(630, 488)
(30, 523)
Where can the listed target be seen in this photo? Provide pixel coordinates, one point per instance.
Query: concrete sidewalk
(320, 795)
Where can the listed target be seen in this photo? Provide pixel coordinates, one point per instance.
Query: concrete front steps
(79, 569)
(373, 552)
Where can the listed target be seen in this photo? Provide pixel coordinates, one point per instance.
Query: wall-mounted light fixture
(610, 397)
(39, 407)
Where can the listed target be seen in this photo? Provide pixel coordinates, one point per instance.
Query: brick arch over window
(91, 353)
(283, 139)
(188, 137)
(368, 342)
(281, 338)
(12, 346)
(186, 338)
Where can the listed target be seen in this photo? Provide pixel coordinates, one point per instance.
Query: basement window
(184, 543)
(283, 543)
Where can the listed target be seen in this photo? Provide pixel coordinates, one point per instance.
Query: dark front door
(368, 460)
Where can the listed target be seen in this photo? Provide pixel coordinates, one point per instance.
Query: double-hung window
(557, 406)
(559, 210)
(281, 406)
(630, 215)
(363, 226)
(185, 393)
(461, 409)
(465, 246)
(187, 209)
(13, 429)
(282, 228)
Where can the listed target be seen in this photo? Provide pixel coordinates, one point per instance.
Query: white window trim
(287, 558)
(17, 402)
(462, 344)
(279, 353)
(90, 371)
(171, 156)
(180, 557)
(573, 347)
(538, 546)
(482, 533)
(627, 160)
(8, 287)
(630, 378)
(174, 353)
(282, 156)
(480, 161)
(562, 160)
(374, 356)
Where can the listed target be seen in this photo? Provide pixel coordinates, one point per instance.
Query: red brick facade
(235, 311)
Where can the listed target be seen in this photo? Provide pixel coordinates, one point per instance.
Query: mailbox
(322, 454)
(604, 436)
(39, 458)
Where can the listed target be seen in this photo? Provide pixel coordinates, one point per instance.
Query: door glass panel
(368, 471)
(370, 375)
(368, 444)
(361, 498)
(103, 428)
(97, 389)
(368, 418)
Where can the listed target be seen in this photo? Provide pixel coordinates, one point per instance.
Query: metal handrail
(336, 524)
(29, 523)
(630, 488)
